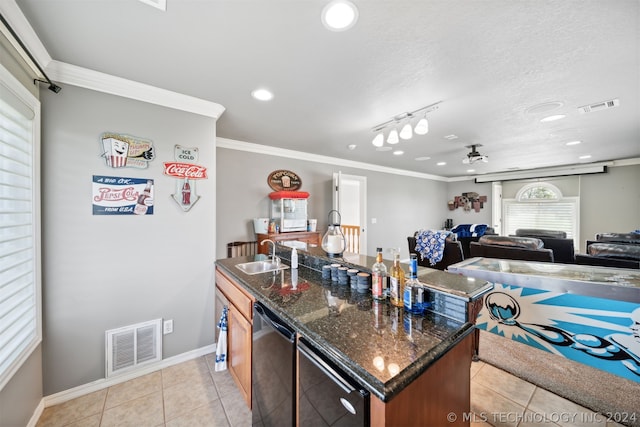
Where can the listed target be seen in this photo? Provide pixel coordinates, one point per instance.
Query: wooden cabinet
(239, 331)
(310, 237)
(440, 396)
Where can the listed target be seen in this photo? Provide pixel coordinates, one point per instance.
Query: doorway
(350, 199)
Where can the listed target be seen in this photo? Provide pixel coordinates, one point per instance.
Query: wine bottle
(396, 282)
(379, 278)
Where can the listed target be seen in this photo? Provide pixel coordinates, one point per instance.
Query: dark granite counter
(377, 344)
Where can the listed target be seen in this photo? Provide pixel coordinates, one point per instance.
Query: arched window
(539, 191)
(541, 205)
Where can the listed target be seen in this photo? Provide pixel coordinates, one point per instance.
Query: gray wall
(21, 395)
(609, 202)
(105, 272)
(400, 204)
(459, 215)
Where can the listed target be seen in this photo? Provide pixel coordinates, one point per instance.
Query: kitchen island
(415, 367)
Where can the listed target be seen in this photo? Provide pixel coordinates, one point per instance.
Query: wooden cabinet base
(239, 331)
(439, 395)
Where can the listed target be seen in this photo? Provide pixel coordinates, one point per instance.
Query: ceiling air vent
(599, 106)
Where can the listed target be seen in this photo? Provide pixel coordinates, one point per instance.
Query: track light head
(422, 127)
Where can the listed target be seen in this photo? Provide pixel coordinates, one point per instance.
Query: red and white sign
(185, 170)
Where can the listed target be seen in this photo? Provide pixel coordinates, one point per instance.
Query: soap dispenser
(294, 258)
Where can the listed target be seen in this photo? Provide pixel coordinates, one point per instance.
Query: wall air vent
(132, 346)
(599, 106)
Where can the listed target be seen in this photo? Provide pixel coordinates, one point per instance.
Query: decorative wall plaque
(125, 151)
(284, 180)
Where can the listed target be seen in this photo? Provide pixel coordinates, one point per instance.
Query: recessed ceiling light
(586, 156)
(383, 149)
(545, 107)
(422, 159)
(339, 15)
(441, 163)
(450, 137)
(262, 95)
(352, 146)
(398, 153)
(158, 4)
(573, 142)
(470, 170)
(553, 118)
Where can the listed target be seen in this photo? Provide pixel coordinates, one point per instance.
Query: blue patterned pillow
(430, 244)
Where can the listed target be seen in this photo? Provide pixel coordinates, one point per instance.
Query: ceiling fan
(474, 156)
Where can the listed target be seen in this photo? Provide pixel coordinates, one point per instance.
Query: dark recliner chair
(563, 248)
(451, 255)
(610, 254)
(515, 248)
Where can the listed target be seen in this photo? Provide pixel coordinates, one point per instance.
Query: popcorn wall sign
(124, 151)
(186, 173)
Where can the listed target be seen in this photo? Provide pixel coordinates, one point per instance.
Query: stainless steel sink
(257, 267)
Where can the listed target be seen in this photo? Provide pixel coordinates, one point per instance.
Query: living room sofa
(563, 248)
(451, 255)
(516, 248)
(612, 251)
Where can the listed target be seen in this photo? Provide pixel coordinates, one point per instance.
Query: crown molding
(95, 80)
(300, 155)
(14, 16)
(89, 79)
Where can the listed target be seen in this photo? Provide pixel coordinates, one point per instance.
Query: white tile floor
(191, 394)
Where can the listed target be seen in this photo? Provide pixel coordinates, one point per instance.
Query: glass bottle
(396, 282)
(413, 289)
(379, 278)
(141, 207)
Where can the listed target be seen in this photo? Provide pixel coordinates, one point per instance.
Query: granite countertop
(377, 344)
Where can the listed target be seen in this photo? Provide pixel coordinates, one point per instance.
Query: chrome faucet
(274, 258)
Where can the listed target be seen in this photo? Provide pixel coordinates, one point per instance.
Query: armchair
(518, 248)
(563, 248)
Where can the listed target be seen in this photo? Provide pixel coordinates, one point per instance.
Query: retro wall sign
(284, 180)
(114, 195)
(120, 151)
(187, 173)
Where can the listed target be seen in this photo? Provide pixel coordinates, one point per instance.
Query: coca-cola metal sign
(185, 170)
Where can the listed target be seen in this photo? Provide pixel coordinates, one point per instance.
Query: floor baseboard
(72, 393)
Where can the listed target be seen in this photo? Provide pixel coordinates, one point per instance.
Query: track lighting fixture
(422, 127)
(393, 136)
(406, 131)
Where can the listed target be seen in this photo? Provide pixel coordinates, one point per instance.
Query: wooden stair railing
(352, 236)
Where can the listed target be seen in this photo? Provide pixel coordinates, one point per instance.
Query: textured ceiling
(487, 61)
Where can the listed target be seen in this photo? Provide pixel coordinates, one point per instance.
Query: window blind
(561, 215)
(20, 330)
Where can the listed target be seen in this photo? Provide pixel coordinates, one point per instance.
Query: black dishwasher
(273, 390)
(327, 395)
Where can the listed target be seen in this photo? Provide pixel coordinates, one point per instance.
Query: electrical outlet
(167, 327)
